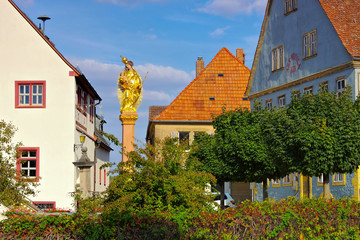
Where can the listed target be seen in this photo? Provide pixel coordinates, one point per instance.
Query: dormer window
(290, 6)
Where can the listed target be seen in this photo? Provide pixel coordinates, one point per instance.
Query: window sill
(309, 57)
(30, 106)
(279, 69)
(288, 13)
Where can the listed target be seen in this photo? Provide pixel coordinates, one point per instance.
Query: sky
(161, 37)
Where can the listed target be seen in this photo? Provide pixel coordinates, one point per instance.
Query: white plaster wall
(102, 157)
(26, 56)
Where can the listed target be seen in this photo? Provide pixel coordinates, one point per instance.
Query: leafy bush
(158, 178)
(286, 219)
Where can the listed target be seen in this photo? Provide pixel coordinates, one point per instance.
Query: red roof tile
(155, 110)
(344, 15)
(210, 92)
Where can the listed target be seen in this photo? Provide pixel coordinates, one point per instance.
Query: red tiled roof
(155, 110)
(210, 92)
(344, 15)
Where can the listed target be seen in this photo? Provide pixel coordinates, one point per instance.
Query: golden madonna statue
(129, 87)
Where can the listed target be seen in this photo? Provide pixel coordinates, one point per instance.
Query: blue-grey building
(304, 46)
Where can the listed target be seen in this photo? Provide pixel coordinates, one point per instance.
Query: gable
(220, 85)
(288, 30)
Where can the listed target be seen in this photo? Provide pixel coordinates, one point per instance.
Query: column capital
(128, 117)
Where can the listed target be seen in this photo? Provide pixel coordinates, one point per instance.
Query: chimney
(200, 64)
(240, 55)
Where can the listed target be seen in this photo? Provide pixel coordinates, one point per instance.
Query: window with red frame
(28, 163)
(100, 176)
(91, 110)
(104, 177)
(81, 100)
(43, 205)
(30, 94)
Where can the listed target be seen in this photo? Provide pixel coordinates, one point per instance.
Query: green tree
(206, 150)
(13, 188)
(323, 134)
(158, 178)
(239, 152)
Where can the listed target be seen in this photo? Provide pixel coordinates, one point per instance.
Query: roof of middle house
(220, 85)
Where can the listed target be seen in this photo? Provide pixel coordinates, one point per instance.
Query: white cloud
(157, 96)
(97, 71)
(234, 7)
(127, 2)
(219, 32)
(160, 73)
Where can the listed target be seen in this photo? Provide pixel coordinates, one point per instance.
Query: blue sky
(162, 37)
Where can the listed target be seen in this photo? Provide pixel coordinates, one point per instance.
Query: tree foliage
(13, 188)
(238, 151)
(322, 134)
(158, 178)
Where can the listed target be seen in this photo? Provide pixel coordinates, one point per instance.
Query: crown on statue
(124, 59)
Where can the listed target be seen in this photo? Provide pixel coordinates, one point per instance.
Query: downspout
(95, 159)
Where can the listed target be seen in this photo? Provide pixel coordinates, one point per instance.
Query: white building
(52, 104)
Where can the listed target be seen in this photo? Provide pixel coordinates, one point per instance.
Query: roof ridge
(188, 86)
(223, 52)
(44, 37)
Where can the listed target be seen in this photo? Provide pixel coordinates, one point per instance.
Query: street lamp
(82, 140)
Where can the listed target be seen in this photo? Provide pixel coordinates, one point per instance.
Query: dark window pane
(32, 163)
(24, 164)
(32, 173)
(32, 153)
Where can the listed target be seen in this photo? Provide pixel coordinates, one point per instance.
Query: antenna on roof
(44, 18)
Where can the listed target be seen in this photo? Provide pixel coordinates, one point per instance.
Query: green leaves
(158, 178)
(13, 188)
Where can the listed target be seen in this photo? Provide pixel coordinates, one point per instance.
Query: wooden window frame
(308, 90)
(324, 86)
(336, 181)
(30, 84)
(287, 180)
(339, 91)
(277, 58)
(290, 6)
(275, 183)
(279, 100)
(53, 203)
(269, 104)
(21, 159)
(309, 44)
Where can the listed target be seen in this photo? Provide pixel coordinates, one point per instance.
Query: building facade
(305, 46)
(52, 104)
(218, 86)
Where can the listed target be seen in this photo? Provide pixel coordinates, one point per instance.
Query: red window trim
(18, 163)
(17, 83)
(104, 177)
(81, 100)
(91, 110)
(100, 176)
(46, 202)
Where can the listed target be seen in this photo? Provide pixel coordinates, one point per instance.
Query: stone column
(128, 120)
(84, 164)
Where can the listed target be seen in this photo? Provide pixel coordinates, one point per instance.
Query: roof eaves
(77, 73)
(259, 45)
